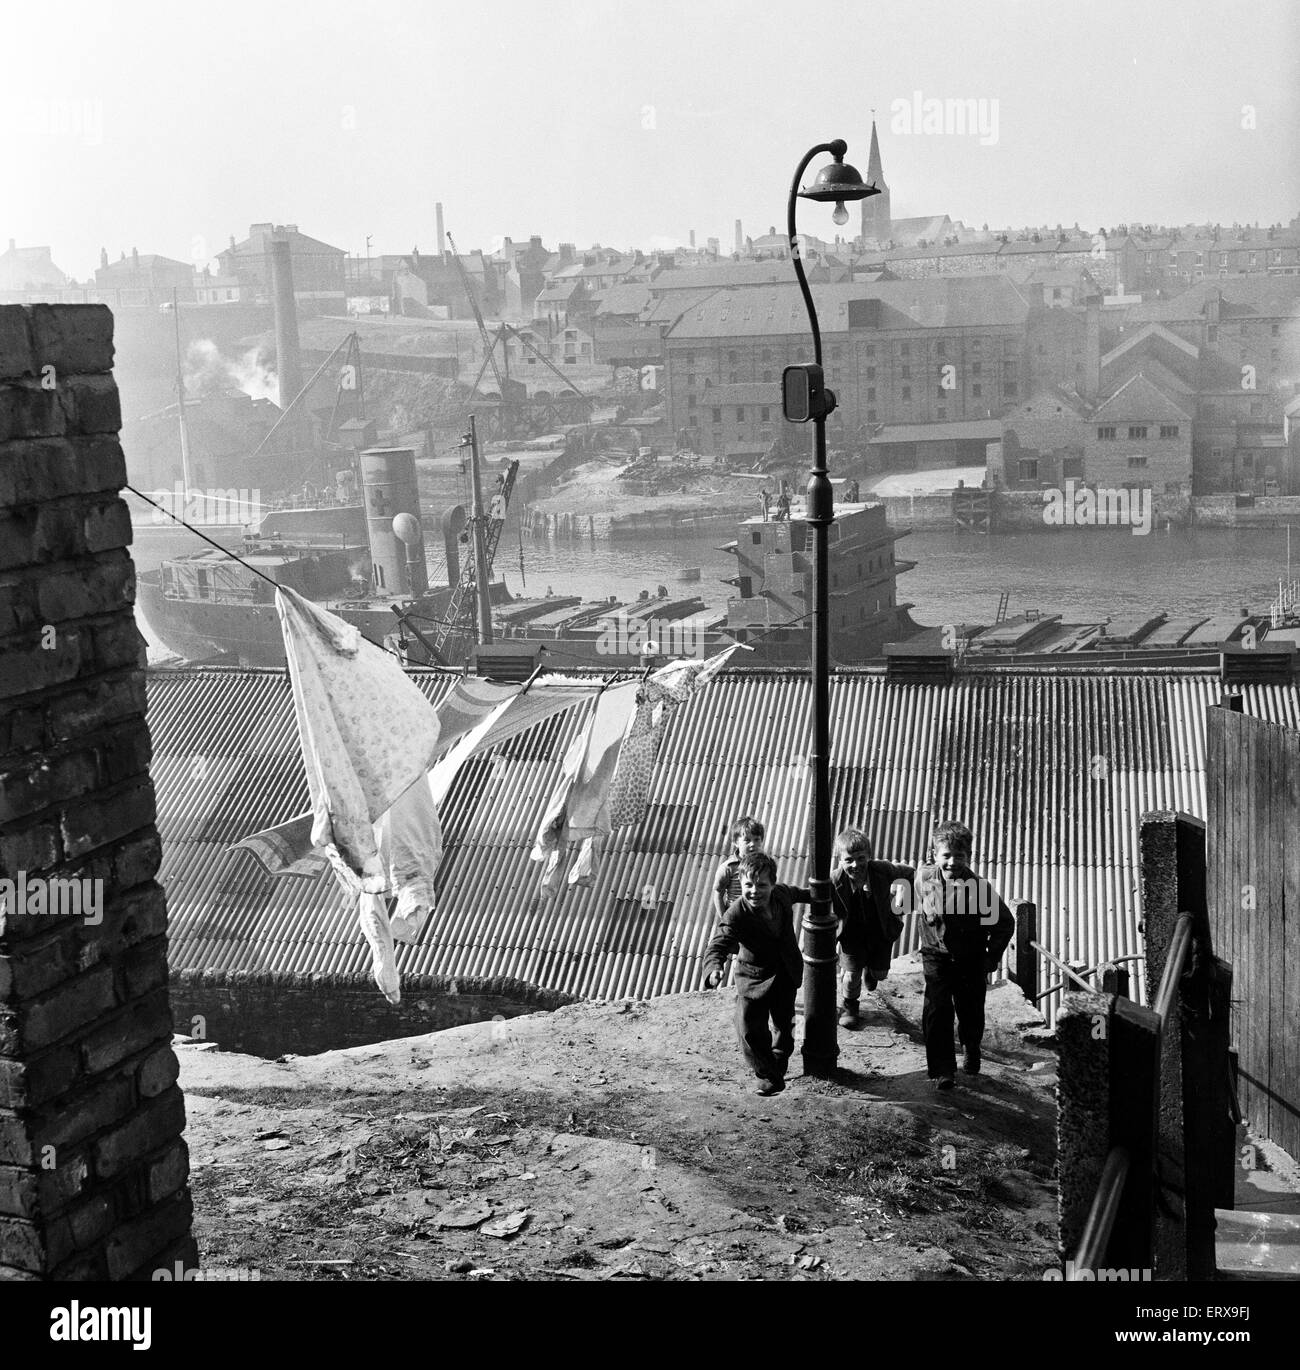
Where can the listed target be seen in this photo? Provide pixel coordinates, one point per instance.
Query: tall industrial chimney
(740, 238)
(692, 240)
(288, 354)
(442, 237)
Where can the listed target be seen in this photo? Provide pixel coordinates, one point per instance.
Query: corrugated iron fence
(1051, 770)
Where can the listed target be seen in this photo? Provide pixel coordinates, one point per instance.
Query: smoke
(207, 372)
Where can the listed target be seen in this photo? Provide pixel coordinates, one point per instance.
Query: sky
(170, 127)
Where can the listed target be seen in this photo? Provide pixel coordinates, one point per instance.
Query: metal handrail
(1101, 1216)
(1090, 970)
(1095, 1239)
(1179, 945)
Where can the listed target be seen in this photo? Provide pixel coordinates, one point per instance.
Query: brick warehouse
(93, 1171)
(896, 352)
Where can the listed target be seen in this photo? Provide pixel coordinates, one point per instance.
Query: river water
(1083, 574)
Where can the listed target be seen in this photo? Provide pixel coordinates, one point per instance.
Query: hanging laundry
(579, 805)
(663, 691)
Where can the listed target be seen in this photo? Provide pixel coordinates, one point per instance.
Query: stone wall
(93, 1171)
(273, 1014)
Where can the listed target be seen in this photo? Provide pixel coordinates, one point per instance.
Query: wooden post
(1026, 975)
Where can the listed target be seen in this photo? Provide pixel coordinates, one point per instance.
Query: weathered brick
(137, 860)
(35, 1080)
(91, 1110)
(28, 667)
(144, 968)
(127, 1034)
(59, 535)
(48, 781)
(64, 1184)
(156, 1123)
(33, 849)
(37, 469)
(17, 1191)
(99, 587)
(125, 752)
(17, 358)
(61, 1012)
(158, 1072)
(36, 966)
(169, 1174)
(17, 537)
(78, 712)
(119, 644)
(23, 730)
(106, 817)
(134, 1247)
(91, 404)
(28, 410)
(107, 526)
(73, 338)
(15, 1141)
(88, 1267)
(78, 1227)
(21, 1244)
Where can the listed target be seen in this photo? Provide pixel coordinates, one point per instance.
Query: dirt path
(622, 1141)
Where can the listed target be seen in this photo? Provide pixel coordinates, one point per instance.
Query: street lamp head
(837, 182)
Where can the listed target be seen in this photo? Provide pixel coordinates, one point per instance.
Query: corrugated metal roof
(1051, 770)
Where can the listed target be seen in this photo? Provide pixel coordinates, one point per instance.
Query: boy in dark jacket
(746, 835)
(762, 925)
(870, 911)
(965, 928)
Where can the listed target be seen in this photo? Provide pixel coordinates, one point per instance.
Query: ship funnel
(396, 543)
(453, 524)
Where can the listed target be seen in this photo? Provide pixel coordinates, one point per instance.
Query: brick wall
(93, 1171)
(272, 1014)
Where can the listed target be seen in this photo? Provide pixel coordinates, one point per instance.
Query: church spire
(876, 219)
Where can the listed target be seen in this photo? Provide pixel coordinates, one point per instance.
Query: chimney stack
(1092, 349)
(692, 240)
(288, 355)
(442, 236)
(740, 238)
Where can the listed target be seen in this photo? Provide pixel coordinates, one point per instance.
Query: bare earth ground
(624, 1141)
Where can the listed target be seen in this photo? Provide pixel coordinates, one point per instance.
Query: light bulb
(841, 215)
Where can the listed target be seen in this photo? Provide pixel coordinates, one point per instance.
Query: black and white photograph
(649, 643)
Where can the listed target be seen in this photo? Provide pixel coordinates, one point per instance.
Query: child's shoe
(766, 1087)
(849, 1014)
(945, 1082)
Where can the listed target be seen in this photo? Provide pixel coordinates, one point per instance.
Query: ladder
(459, 616)
(1003, 600)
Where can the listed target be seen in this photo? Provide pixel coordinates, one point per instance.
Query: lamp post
(805, 397)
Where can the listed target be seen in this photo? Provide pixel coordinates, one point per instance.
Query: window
(941, 413)
(731, 357)
(1212, 333)
(1009, 387)
(871, 394)
(942, 395)
(906, 373)
(1105, 435)
(765, 415)
(1028, 468)
(1136, 463)
(740, 413)
(941, 349)
(907, 392)
(871, 373)
(976, 368)
(693, 420)
(871, 350)
(1072, 468)
(904, 349)
(689, 358)
(1223, 259)
(717, 416)
(871, 416)
(1273, 330)
(976, 391)
(690, 380)
(755, 537)
(1168, 430)
(1137, 431)
(690, 402)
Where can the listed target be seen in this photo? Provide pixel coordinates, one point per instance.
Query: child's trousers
(756, 1002)
(951, 986)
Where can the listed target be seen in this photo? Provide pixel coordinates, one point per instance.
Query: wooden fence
(1252, 781)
